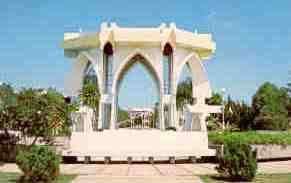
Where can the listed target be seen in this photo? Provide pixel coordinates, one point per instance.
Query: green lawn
(270, 178)
(12, 178)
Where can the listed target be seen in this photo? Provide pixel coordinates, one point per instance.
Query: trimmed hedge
(251, 137)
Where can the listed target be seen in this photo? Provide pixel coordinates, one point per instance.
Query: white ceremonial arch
(164, 51)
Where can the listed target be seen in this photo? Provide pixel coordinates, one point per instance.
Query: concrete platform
(138, 144)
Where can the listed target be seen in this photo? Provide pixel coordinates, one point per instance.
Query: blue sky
(253, 40)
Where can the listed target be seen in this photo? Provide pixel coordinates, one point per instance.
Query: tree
(7, 104)
(184, 93)
(238, 114)
(214, 120)
(90, 97)
(270, 107)
(288, 89)
(42, 114)
(215, 99)
(7, 113)
(122, 115)
(246, 117)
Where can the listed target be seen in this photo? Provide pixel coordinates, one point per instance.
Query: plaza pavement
(140, 173)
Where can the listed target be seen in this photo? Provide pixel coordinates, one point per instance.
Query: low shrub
(251, 137)
(237, 161)
(39, 163)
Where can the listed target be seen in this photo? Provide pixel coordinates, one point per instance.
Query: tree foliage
(90, 96)
(238, 114)
(122, 115)
(7, 115)
(184, 93)
(41, 113)
(34, 113)
(270, 105)
(7, 106)
(215, 99)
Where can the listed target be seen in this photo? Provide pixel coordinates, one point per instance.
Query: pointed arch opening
(184, 97)
(140, 77)
(89, 97)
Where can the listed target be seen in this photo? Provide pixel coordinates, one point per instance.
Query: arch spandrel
(201, 85)
(74, 80)
(88, 58)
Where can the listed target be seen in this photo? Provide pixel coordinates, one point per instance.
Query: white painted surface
(127, 142)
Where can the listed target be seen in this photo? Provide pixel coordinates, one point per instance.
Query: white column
(100, 117)
(173, 111)
(161, 115)
(202, 119)
(114, 111)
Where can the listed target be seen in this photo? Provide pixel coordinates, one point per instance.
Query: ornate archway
(136, 57)
(112, 51)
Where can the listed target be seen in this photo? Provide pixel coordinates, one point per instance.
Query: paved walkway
(94, 179)
(139, 173)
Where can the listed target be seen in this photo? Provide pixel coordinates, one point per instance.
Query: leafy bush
(237, 161)
(39, 163)
(251, 137)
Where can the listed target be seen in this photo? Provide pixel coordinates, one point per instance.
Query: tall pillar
(114, 112)
(100, 116)
(173, 111)
(161, 116)
(202, 118)
(105, 111)
(167, 112)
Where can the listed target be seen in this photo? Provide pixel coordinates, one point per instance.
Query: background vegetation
(270, 108)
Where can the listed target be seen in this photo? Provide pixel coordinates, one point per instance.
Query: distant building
(142, 113)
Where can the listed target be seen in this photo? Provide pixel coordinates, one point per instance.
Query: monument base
(139, 144)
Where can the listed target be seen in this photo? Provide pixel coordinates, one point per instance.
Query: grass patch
(270, 178)
(12, 178)
(252, 137)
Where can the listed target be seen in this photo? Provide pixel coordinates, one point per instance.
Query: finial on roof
(172, 25)
(195, 32)
(113, 25)
(104, 25)
(162, 26)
